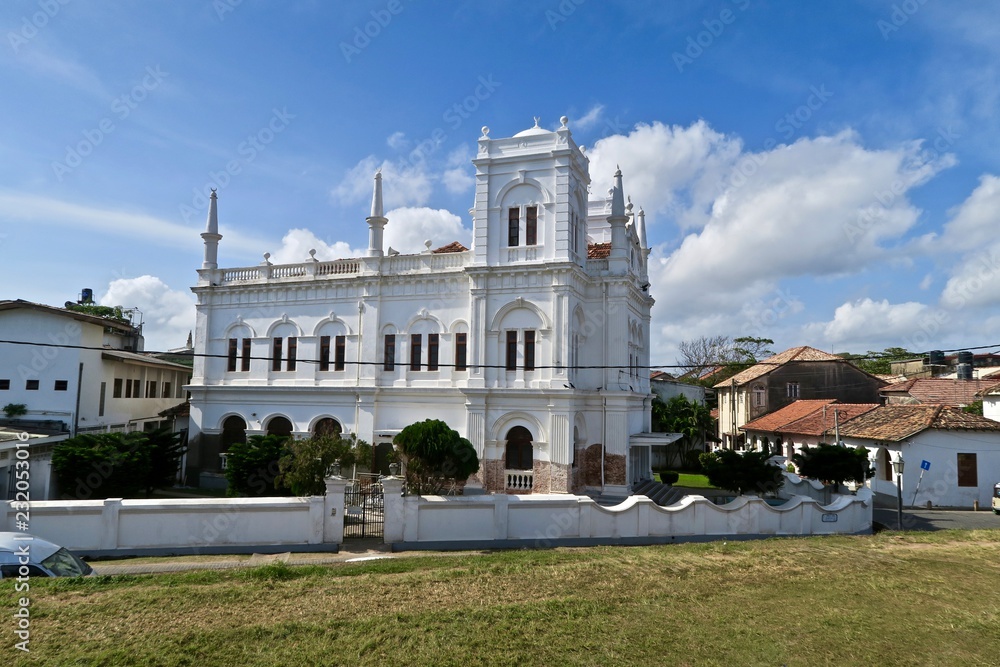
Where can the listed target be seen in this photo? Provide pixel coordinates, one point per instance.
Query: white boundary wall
(196, 525)
(554, 519)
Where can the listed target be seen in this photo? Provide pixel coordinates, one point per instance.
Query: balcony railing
(520, 481)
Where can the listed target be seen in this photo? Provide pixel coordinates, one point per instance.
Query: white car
(44, 559)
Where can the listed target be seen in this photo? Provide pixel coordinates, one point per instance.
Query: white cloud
(398, 141)
(297, 243)
(402, 184)
(975, 280)
(927, 281)
(408, 228)
(459, 177)
(975, 221)
(859, 324)
(589, 119)
(168, 314)
(18, 206)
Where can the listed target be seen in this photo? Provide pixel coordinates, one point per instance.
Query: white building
(533, 344)
(76, 373)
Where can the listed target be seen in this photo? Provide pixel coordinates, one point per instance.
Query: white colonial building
(533, 344)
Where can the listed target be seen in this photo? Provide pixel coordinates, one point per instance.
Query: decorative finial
(564, 120)
(428, 243)
(312, 254)
(628, 206)
(486, 131)
(537, 118)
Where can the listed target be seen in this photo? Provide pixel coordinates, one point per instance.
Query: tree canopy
(734, 354)
(681, 415)
(747, 472)
(303, 468)
(834, 464)
(116, 465)
(252, 467)
(879, 363)
(434, 453)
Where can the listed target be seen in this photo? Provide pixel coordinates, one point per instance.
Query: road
(938, 519)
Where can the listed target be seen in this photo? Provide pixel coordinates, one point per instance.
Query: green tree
(252, 467)
(102, 465)
(749, 472)
(879, 363)
(434, 454)
(303, 469)
(974, 408)
(116, 313)
(681, 415)
(165, 452)
(834, 464)
(749, 349)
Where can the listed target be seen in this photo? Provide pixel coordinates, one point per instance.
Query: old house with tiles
(533, 343)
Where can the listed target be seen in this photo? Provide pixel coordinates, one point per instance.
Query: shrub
(669, 476)
(742, 473)
(103, 465)
(834, 464)
(252, 467)
(15, 410)
(434, 453)
(303, 468)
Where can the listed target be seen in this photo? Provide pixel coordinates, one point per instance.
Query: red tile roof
(454, 246)
(938, 391)
(660, 375)
(802, 353)
(894, 423)
(598, 250)
(786, 415)
(821, 421)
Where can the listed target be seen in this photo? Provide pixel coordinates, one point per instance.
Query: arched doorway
(234, 429)
(884, 465)
(520, 454)
(328, 426)
(279, 426)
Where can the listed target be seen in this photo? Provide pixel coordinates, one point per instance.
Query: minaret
(640, 225)
(211, 235)
(376, 221)
(618, 218)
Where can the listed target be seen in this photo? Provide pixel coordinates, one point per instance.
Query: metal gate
(364, 503)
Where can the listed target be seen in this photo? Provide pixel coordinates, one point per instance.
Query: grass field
(689, 480)
(906, 599)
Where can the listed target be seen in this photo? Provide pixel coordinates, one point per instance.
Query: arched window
(519, 450)
(279, 426)
(234, 430)
(328, 426)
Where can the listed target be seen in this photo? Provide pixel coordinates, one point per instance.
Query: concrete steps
(661, 494)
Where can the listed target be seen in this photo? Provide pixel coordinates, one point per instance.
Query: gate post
(392, 529)
(333, 510)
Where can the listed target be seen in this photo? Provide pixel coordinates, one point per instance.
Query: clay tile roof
(819, 422)
(894, 423)
(598, 250)
(454, 246)
(790, 413)
(801, 353)
(939, 391)
(660, 375)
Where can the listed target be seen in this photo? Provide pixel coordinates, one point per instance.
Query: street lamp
(897, 467)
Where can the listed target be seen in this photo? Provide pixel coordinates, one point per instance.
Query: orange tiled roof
(598, 250)
(454, 246)
(801, 353)
(939, 391)
(786, 415)
(820, 421)
(894, 423)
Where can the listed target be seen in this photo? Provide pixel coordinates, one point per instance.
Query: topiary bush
(669, 476)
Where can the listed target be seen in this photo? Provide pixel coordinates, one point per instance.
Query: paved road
(938, 519)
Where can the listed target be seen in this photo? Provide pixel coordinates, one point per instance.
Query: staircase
(661, 494)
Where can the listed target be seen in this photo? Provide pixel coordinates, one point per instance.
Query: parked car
(996, 498)
(45, 559)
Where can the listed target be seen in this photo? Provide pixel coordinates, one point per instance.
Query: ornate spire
(212, 226)
(376, 221)
(640, 226)
(211, 235)
(377, 211)
(618, 196)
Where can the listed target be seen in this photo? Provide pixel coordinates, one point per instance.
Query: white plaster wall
(991, 407)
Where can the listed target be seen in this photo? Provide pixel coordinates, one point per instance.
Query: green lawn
(690, 480)
(890, 599)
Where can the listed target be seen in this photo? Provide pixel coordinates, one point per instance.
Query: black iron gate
(364, 502)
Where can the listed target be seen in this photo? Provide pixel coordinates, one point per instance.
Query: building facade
(533, 343)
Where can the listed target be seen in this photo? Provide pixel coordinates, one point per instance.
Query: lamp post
(897, 467)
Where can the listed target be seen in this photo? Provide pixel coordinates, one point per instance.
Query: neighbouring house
(666, 386)
(935, 391)
(990, 397)
(533, 343)
(78, 373)
(786, 431)
(961, 451)
(964, 365)
(797, 373)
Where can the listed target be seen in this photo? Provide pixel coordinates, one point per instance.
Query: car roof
(38, 548)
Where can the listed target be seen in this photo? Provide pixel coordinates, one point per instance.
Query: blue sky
(816, 173)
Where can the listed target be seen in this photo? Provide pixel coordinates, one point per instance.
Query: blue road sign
(925, 465)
